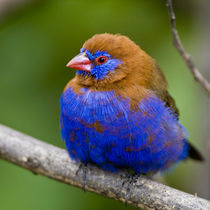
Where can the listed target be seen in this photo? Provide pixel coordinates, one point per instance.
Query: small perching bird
(117, 113)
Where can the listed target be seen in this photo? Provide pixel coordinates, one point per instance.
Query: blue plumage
(99, 127)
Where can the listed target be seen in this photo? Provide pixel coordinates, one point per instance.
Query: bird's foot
(83, 168)
(130, 180)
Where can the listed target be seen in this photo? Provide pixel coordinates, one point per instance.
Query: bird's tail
(193, 153)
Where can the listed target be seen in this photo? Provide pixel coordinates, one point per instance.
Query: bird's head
(105, 59)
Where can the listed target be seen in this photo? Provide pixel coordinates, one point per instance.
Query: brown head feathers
(137, 67)
(138, 74)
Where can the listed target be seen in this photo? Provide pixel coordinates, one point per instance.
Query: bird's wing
(160, 87)
(165, 96)
(169, 102)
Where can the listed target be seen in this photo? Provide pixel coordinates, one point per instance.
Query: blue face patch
(99, 71)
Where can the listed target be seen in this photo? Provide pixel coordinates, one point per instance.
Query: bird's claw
(83, 168)
(130, 179)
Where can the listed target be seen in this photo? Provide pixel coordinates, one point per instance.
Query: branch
(187, 57)
(53, 162)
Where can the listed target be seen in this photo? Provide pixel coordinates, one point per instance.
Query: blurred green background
(36, 42)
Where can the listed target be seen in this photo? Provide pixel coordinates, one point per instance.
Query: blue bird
(117, 112)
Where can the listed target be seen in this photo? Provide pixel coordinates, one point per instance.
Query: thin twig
(53, 162)
(187, 57)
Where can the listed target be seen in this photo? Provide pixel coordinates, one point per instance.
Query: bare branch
(187, 57)
(53, 162)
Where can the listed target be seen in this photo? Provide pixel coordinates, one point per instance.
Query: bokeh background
(36, 42)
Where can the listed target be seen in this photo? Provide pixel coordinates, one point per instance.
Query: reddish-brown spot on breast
(93, 146)
(97, 126)
(119, 114)
(133, 149)
(150, 138)
(73, 151)
(72, 136)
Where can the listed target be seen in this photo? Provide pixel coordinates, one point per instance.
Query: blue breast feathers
(100, 127)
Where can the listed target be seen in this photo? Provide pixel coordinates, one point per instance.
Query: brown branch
(53, 162)
(187, 57)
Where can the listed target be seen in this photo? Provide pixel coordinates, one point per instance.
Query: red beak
(80, 62)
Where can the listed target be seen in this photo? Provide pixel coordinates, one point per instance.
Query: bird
(117, 112)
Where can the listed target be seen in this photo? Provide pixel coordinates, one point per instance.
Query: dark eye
(101, 59)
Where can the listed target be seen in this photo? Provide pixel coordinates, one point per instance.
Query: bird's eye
(101, 60)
